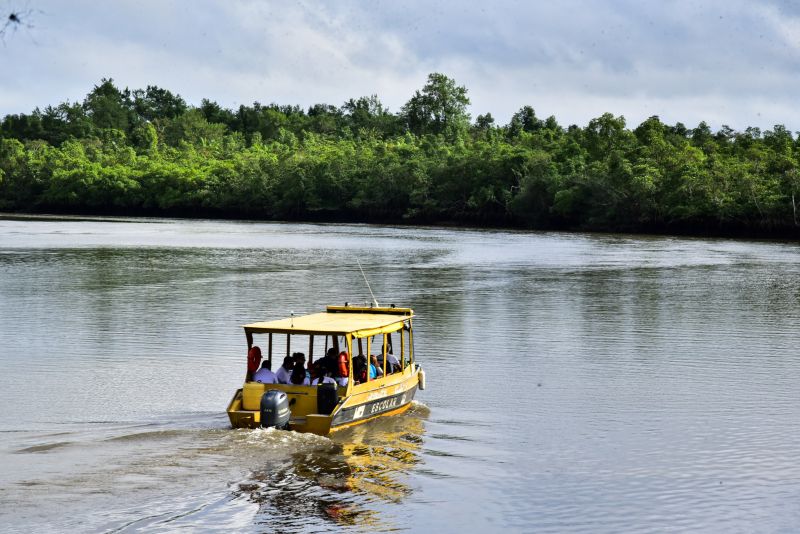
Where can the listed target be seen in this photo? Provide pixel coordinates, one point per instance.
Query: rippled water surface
(576, 383)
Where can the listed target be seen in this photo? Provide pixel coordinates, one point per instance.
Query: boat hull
(386, 396)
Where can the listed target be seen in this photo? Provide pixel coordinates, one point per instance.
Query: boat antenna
(367, 281)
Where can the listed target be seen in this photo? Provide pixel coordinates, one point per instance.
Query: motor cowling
(275, 410)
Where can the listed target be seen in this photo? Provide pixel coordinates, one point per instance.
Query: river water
(576, 382)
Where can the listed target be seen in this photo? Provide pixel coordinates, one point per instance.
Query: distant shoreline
(782, 235)
(148, 153)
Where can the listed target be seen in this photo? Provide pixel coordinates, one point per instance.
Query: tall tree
(440, 108)
(213, 112)
(108, 106)
(156, 103)
(368, 113)
(524, 120)
(484, 122)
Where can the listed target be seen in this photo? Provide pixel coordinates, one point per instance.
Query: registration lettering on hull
(375, 407)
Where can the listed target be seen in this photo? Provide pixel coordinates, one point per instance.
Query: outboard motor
(327, 398)
(275, 410)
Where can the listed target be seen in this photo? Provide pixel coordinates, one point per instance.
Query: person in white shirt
(265, 375)
(392, 363)
(325, 380)
(284, 372)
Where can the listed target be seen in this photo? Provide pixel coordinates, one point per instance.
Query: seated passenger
(327, 379)
(285, 371)
(330, 358)
(360, 368)
(374, 369)
(265, 375)
(299, 377)
(325, 364)
(392, 363)
(300, 361)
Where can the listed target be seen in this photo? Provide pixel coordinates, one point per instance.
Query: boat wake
(352, 477)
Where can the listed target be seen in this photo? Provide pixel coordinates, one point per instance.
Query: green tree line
(147, 151)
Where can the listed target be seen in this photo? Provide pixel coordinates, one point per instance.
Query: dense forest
(147, 151)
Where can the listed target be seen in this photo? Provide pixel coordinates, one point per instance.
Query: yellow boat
(385, 389)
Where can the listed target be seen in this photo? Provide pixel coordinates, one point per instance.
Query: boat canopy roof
(338, 320)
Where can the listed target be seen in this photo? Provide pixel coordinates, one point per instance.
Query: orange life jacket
(343, 370)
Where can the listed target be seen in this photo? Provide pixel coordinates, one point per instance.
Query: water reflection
(576, 382)
(343, 480)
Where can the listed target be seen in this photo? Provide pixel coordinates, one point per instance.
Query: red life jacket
(253, 359)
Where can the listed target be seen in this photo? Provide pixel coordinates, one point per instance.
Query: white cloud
(726, 62)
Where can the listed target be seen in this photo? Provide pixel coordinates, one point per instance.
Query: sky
(726, 62)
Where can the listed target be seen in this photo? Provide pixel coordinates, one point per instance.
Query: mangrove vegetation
(147, 151)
